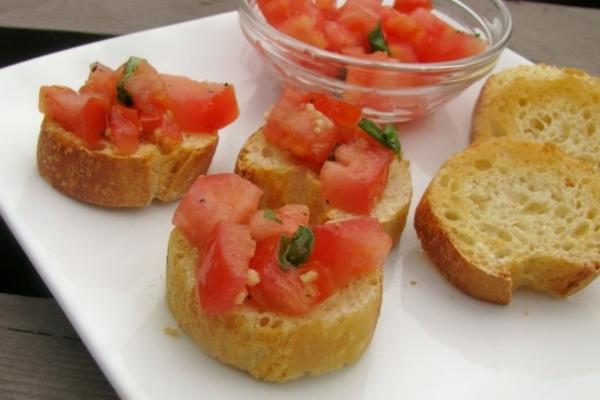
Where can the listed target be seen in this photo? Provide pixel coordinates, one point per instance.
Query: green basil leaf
(271, 215)
(123, 95)
(377, 41)
(295, 251)
(388, 136)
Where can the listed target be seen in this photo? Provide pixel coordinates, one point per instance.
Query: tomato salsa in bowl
(398, 60)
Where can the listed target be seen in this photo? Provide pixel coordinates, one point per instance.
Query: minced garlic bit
(321, 121)
(309, 277)
(267, 113)
(253, 278)
(239, 299)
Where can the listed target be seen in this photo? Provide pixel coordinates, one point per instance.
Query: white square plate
(106, 267)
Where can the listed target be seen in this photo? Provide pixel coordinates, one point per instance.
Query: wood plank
(41, 356)
(555, 34)
(107, 16)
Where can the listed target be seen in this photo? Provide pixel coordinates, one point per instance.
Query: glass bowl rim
(460, 64)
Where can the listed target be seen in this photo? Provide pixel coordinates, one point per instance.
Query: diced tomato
(277, 12)
(169, 134)
(327, 8)
(125, 129)
(215, 198)
(200, 106)
(223, 268)
(403, 52)
(81, 113)
(306, 29)
(301, 129)
(339, 37)
(451, 45)
(147, 90)
(350, 248)
(278, 290)
(360, 17)
(284, 220)
(408, 6)
(101, 82)
(401, 28)
(343, 114)
(355, 181)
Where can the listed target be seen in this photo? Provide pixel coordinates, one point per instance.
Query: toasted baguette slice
(106, 178)
(271, 346)
(284, 180)
(545, 104)
(504, 214)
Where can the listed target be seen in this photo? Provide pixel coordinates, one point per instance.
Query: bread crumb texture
(106, 178)
(504, 214)
(545, 104)
(271, 346)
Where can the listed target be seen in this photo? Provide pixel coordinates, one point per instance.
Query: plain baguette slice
(542, 103)
(284, 181)
(504, 214)
(106, 178)
(272, 346)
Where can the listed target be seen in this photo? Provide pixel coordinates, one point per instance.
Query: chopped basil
(377, 41)
(123, 95)
(271, 215)
(388, 136)
(295, 250)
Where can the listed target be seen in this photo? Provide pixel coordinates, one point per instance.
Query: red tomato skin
(102, 82)
(339, 37)
(223, 268)
(200, 106)
(81, 113)
(147, 89)
(290, 216)
(294, 128)
(350, 248)
(343, 114)
(306, 29)
(360, 17)
(125, 129)
(279, 291)
(408, 6)
(355, 181)
(215, 198)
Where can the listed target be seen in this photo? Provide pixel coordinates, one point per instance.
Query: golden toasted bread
(504, 214)
(106, 178)
(268, 345)
(545, 104)
(284, 180)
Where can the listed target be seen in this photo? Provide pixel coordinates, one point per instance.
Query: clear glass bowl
(405, 91)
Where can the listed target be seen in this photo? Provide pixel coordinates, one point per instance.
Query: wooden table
(41, 355)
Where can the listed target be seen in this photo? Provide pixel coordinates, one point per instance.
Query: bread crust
(286, 180)
(271, 346)
(105, 178)
(495, 288)
(543, 261)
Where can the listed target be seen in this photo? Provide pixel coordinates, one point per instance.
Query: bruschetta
(319, 151)
(132, 135)
(264, 291)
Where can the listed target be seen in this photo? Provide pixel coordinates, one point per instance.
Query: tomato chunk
(341, 113)
(350, 248)
(223, 268)
(306, 29)
(355, 181)
(146, 89)
(278, 290)
(125, 129)
(200, 106)
(215, 198)
(284, 220)
(407, 6)
(81, 113)
(300, 128)
(101, 82)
